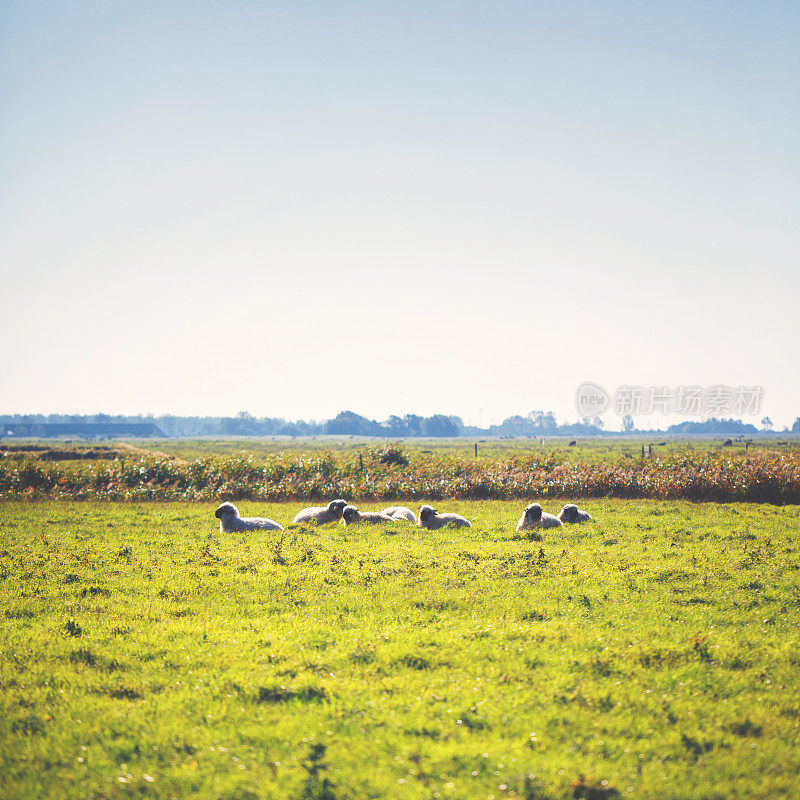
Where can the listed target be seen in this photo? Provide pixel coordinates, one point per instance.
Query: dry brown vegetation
(388, 472)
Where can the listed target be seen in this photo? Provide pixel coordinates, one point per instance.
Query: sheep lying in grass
(533, 517)
(319, 515)
(230, 521)
(352, 516)
(571, 513)
(432, 520)
(400, 512)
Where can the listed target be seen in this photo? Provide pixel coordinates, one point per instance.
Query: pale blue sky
(296, 208)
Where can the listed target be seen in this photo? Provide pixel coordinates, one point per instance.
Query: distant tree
(396, 427)
(796, 426)
(539, 422)
(766, 424)
(348, 423)
(515, 426)
(598, 423)
(439, 425)
(413, 424)
(583, 427)
(458, 423)
(628, 424)
(299, 428)
(713, 425)
(229, 426)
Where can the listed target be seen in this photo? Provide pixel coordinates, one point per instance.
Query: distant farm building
(83, 430)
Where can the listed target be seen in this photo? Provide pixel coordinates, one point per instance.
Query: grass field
(652, 653)
(587, 449)
(591, 450)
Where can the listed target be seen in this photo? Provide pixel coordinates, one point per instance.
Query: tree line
(348, 423)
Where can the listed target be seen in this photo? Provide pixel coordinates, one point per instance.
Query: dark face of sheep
(226, 509)
(533, 512)
(337, 507)
(570, 513)
(350, 513)
(426, 513)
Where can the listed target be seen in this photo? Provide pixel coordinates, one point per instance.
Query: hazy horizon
(612, 423)
(460, 208)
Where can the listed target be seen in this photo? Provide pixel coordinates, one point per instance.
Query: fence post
(476, 449)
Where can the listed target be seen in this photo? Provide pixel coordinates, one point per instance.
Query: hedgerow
(709, 475)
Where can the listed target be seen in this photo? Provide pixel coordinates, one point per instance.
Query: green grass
(591, 450)
(143, 653)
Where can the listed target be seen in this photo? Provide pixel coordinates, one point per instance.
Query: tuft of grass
(83, 655)
(282, 694)
(125, 693)
(746, 728)
(29, 725)
(587, 789)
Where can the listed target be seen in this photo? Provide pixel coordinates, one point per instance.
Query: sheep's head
(336, 507)
(350, 514)
(426, 513)
(569, 513)
(226, 510)
(533, 512)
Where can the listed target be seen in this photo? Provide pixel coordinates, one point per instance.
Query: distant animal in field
(571, 513)
(432, 520)
(352, 516)
(533, 517)
(572, 443)
(400, 512)
(319, 515)
(728, 443)
(230, 521)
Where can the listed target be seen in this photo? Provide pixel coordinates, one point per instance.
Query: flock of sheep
(339, 511)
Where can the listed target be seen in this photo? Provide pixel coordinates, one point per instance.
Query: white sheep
(230, 521)
(432, 520)
(352, 516)
(571, 513)
(533, 517)
(320, 515)
(400, 512)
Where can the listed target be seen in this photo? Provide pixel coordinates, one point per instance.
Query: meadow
(651, 653)
(585, 450)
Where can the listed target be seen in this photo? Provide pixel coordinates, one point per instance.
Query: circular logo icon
(591, 399)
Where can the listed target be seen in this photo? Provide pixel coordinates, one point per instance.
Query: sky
(445, 207)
